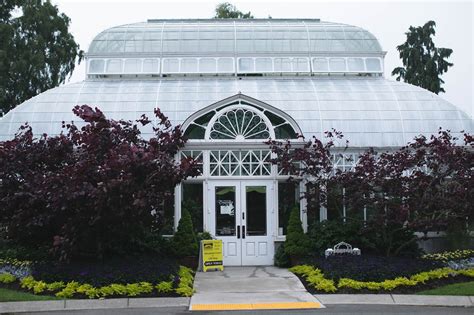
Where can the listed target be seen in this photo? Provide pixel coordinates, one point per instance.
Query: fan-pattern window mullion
(239, 124)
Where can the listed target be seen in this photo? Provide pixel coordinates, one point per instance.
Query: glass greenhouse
(233, 84)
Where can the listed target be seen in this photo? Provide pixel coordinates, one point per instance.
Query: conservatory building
(232, 85)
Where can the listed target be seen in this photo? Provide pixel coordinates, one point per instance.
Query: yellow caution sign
(212, 257)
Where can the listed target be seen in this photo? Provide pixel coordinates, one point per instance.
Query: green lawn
(466, 288)
(7, 295)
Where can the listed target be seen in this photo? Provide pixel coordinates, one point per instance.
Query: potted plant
(184, 243)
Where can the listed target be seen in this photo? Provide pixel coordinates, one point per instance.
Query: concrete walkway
(250, 288)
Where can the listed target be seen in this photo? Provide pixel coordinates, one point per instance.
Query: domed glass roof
(228, 37)
(370, 111)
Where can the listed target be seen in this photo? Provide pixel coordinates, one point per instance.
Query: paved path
(250, 288)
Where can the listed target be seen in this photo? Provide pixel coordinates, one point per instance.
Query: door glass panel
(225, 210)
(256, 198)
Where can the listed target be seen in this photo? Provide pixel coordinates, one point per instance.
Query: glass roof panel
(283, 35)
(368, 111)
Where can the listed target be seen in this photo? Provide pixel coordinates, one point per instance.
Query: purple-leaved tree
(91, 191)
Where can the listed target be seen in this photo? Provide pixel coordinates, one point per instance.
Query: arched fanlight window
(239, 122)
(240, 118)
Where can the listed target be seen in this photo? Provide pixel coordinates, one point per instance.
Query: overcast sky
(387, 20)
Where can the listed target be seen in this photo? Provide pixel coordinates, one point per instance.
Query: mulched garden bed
(118, 271)
(400, 290)
(16, 286)
(371, 268)
(378, 269)
(122, 271)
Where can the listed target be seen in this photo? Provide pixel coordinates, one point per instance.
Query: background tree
(37, 52)
(227, 10)
(423, 62)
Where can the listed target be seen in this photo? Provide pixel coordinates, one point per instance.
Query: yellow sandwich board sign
(212, 257)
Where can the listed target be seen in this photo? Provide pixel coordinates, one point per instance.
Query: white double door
(241, 215)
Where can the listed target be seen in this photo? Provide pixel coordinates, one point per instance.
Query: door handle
(238, 231)
(243, 231)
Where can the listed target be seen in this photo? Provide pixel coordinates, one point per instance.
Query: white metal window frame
(106, 62)
(223, 112)
(236, 62)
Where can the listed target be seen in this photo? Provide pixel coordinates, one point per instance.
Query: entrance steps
(250, 288)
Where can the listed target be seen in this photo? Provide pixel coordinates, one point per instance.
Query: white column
(177, 205)
(303, 207)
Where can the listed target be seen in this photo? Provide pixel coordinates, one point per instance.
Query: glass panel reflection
(225, 210)
(256, 197)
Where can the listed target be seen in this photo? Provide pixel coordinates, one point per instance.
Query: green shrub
(13, 251)
(203, 236)
(186, 278)
(326, 234)
(40, 287)
(165, 287)
(297, 242)
(184, 240)
(281, 259)
(7, 278)
(315, 279)
(55, 286)
(393, 240)
(27, 283)
(457, 235)
(68, 291)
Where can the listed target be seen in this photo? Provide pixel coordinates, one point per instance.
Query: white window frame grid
(244, 163)
(235, 62)
(123, 60)
(344, 161)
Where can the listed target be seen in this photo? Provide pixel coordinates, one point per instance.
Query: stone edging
(58, 305)
(325, 299)
(396, 299)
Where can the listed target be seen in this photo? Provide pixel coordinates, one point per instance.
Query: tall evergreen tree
(423, 62)
(227, 10)
(37, 52)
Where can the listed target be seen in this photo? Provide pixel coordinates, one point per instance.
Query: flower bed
(140, 277)
(122, 271)
(371, 268)
(316, 282)
(179, 285)
(15, 267)
(448, 256)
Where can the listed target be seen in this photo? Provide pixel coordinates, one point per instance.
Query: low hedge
(183, 287)
(316, 279)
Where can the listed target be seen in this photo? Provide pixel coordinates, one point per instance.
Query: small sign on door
(226, 207)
